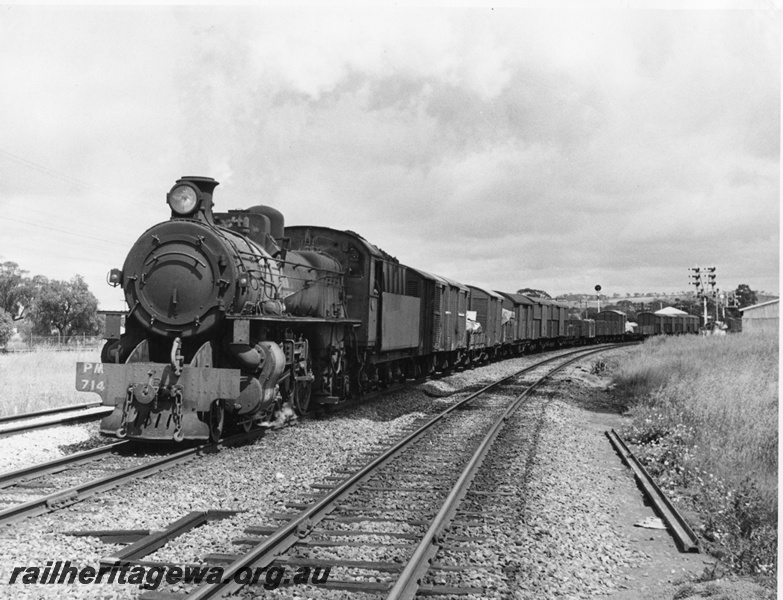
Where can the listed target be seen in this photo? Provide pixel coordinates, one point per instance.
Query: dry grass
(42, 379)
(706, 421)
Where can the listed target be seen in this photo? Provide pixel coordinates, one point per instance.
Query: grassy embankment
(705, 422)
(42, 379)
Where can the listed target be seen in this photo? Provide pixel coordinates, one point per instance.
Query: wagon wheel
(298, 386)
(217, 418)
(246, 425)
(110, 349)
(358, 381)
(300, 396)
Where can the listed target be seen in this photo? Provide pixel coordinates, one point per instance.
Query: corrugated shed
(761, 317)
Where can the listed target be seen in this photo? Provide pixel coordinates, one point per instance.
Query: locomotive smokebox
(183, 275)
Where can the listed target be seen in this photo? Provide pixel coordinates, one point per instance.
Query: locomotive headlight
(183, 199)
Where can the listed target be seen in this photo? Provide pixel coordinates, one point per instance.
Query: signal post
(703, 277)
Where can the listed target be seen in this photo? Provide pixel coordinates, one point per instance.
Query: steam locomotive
(232, 316)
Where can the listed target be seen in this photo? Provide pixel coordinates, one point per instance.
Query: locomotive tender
(233, 316)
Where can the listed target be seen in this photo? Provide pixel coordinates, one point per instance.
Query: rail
(409, 581)
(58, 464)
(283, 538)
(683, 535)
(81, 491)
(53, 416)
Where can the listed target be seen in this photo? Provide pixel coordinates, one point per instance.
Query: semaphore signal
(702, 278)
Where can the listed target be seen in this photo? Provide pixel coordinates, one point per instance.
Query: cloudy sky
(504, 147)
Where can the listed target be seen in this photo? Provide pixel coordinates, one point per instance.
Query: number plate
(90, 377)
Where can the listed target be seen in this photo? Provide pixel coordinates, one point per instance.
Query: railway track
(684, 536)
(51, 417)
(110, 466)
(392, 512)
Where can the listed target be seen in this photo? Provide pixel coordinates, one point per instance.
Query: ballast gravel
(554, 534)
(41, 445)
(558, 553)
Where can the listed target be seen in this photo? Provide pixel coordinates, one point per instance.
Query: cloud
(521, 147)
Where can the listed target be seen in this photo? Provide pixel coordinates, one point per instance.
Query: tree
(590, 312)
(66, 306)
(745, 296)
(628, 308)
(6, 327)
(692, 307)
(16, 291)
